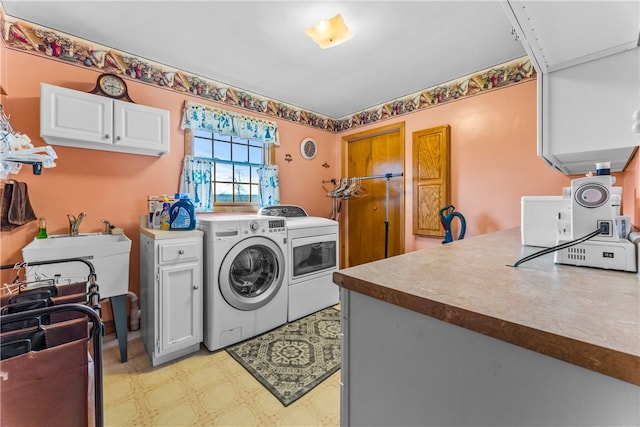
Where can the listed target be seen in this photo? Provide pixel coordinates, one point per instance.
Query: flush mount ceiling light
(329, 33)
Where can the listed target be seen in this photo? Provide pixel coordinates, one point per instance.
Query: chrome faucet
(107, 226)
(74, 223)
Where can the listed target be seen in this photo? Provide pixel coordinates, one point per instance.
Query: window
(234, 177)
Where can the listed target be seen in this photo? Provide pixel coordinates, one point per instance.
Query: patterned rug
(294, 358)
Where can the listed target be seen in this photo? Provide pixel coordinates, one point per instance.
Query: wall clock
(112, 86)
(308, 148)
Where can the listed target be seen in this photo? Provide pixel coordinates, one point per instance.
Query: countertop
(157, 234)
(585, 316)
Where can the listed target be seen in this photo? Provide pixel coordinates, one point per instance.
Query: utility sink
(108, 253)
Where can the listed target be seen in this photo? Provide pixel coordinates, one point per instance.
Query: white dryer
(312, 260)
(245, 286)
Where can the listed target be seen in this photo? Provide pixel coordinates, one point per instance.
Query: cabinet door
(69, 115)
(180, 311)
(586, 113)
(141, 127)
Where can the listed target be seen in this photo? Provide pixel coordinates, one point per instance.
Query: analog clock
(308, 148)
(112, 86)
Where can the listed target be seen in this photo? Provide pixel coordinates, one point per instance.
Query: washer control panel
(235, 227)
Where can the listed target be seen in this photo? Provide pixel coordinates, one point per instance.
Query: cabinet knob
(196, 287)
(181, 252)
(107, 136)
(119, 138)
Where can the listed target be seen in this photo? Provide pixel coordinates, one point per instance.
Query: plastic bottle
(164, 216)
(183, 213)
(42, 228)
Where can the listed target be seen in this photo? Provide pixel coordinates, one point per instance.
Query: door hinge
(158, 346)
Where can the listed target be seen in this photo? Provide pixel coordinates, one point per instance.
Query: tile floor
(203, 389)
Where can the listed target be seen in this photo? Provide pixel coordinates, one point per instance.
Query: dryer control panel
(288, 211)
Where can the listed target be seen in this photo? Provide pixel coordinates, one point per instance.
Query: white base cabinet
(171, 293)
(83, 120)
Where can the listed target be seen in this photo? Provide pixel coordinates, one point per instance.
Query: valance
(199, 116)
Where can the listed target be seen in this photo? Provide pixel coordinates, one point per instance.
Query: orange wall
(114, 186)
(493, 160)
(631, 190)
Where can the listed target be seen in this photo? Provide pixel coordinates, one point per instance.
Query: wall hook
(325, 165)
(288, 157)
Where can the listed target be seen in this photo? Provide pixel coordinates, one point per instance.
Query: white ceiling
(399, 47)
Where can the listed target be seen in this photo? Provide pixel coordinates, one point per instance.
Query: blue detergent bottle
(182, 213)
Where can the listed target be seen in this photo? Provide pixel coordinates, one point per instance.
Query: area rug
(294, 358)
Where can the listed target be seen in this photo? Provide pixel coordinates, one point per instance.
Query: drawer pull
(181, 252)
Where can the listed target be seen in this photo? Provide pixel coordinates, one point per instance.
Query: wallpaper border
(55, 45)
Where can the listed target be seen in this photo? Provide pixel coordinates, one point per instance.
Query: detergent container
(182, 213)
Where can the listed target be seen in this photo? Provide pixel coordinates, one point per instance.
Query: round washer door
(251, 273)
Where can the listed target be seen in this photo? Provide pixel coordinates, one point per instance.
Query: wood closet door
(431, 179)
(376, 152)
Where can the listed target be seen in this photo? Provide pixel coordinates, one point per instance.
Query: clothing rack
(42, 404)
(345, 190)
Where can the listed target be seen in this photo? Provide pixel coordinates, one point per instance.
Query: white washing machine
(245, 286)
(313, 257)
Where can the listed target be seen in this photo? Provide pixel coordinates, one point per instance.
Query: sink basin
(108, 253)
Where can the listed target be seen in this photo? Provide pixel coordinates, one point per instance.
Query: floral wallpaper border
(38, 40)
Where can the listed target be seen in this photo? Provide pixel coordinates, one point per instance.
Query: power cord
(557, 248)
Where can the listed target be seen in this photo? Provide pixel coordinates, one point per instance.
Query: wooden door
(372, 153)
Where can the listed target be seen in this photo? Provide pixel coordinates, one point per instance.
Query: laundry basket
(50, 376)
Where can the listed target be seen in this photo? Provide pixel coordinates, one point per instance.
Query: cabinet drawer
(178, 252)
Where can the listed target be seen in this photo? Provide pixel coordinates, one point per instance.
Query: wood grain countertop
(585, 316)
(158, 234)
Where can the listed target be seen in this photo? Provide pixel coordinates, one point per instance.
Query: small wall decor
(288, 157)
(112, 86)
(308, 148)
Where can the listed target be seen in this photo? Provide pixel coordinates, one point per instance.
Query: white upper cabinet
(587, 113)
(559, 34)
(83, 120)
(588, 62)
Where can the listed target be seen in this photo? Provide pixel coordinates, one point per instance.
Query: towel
(16, 208)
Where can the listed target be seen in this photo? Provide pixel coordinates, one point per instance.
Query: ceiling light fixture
(329, 33)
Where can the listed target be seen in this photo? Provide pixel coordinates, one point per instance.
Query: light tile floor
(203, 389)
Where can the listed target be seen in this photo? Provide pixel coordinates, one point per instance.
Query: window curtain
(199, 116)
(196, 181)
(269, 185)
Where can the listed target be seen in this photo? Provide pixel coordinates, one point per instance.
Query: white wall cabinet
(171, 293)
(588, 62)
(83, 120)
(587, 113)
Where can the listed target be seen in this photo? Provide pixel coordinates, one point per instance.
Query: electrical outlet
(606, 228)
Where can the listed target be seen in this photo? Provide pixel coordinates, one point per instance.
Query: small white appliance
(245, 290)
(593, 208)
(313, 258)
(539, 216)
